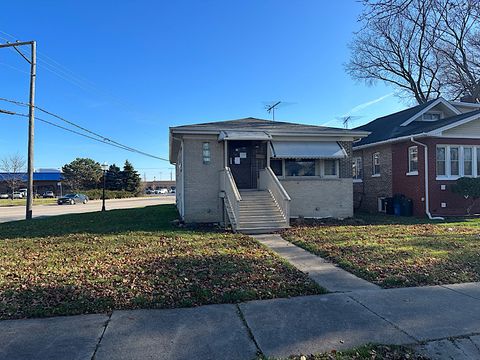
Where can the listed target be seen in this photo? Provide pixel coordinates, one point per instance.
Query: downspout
(427, 200)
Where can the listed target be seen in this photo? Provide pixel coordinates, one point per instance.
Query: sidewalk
(275, 328)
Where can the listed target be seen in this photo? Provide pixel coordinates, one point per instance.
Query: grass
(21, 202)
(397, 252)
(135, 258)
(367, 352)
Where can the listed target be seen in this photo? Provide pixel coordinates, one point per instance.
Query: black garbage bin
(389, 209)
(406, 207)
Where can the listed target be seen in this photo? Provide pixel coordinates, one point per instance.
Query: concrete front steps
(259, 213)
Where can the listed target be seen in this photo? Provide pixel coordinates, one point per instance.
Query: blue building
(43, 180)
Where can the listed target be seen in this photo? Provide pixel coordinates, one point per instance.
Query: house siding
(367, 192)
(202, 181)
(320, 198)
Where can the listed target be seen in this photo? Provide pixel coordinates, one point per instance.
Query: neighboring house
(43, 180)
(255, 174)
(440, 136)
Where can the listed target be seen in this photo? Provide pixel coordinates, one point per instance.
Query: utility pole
(31, 116)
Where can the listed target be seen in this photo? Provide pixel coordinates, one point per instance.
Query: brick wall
(412, 186)
(456, 204)
(202, 181)
(367, 192)
(346, 164)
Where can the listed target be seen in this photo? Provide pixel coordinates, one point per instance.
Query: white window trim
(374, 174)
(461, 160)
(337, 170)
(410, 171)
(432, 112)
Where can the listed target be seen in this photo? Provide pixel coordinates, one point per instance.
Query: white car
(163, 191)
(17, 195)
(4, 196)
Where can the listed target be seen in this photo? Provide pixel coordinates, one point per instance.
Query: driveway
(13, 213)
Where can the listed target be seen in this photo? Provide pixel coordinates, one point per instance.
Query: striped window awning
(307, 150)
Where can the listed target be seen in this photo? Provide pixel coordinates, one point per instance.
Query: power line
(101, 139)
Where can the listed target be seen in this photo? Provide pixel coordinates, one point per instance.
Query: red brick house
(440, 136)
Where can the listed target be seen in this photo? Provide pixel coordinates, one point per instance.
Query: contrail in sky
(361, 107)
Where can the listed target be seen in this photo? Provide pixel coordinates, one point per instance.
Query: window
(441, 161)
(330, 168)
(277, 166)
(454, 161)
(376, 163)
(413, 159)
(206, 153)
(467, 161)
(478, 161)
(357, 170)
(300, 167)
(432, 116)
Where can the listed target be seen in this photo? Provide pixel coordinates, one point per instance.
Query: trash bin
(397, 204)
(406, 208)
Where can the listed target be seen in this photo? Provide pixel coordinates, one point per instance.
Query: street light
(105, 169)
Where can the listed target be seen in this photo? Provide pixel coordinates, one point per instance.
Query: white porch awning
(243, 135)
(307, 149)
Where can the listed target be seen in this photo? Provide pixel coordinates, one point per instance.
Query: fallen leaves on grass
(398, 255)
(92, 272)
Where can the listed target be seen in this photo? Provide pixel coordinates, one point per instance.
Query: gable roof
(393, 126)
(251, 123)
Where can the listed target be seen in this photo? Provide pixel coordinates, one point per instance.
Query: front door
(242, 163)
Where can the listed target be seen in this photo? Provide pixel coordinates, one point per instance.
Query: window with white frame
(454, 161)
(478, 161)
(357, 169)
(467, 161)
(299, 167)
(330, 168)
(413, 159)
(376, 164)
(432, 116)
(206, 153)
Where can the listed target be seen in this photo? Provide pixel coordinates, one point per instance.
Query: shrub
(96, 194)
(469, 188)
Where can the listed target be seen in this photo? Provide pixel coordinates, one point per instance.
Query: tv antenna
(347, 119)
(271, 106)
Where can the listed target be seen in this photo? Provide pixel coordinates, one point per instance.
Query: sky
(129, 70)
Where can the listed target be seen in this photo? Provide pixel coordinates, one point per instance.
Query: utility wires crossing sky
(89, 133)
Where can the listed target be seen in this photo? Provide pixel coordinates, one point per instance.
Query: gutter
(427, 199)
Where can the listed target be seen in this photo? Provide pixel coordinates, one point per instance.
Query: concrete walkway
(324, 273)
(425, 317)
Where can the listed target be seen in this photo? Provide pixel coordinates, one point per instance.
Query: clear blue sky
(131, 69)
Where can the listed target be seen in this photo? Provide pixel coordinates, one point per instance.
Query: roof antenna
(347, 119)
(271, 108)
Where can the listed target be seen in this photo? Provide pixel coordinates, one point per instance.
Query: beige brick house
(255, 174)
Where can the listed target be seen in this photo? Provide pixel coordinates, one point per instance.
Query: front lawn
(397, 252)
(135, 258)
(22, 202)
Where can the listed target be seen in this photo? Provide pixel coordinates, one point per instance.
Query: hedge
(109, 194)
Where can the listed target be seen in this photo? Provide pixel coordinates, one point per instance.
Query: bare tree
(14, 167)
(425, 48)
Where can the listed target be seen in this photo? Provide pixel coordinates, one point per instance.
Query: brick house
(440, 136)
(256, 174)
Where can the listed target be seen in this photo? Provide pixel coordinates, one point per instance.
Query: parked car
(73, 199)
(163, 191)
(16, 195)
(48, 194)
(23, 192)
(4, 196)
(149, 192)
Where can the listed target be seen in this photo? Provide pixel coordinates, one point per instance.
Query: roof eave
(389, 141)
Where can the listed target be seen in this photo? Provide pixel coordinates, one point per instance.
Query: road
(12, 213)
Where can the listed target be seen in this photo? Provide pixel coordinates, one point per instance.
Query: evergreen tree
(131, 178)
(114, 179)
(82, 174)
